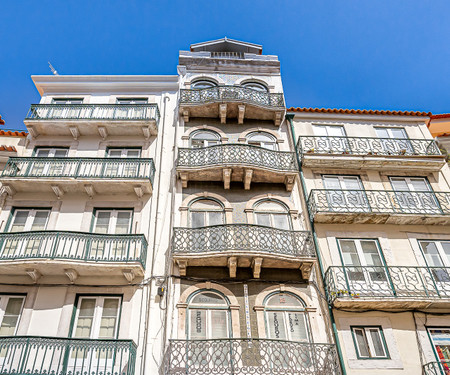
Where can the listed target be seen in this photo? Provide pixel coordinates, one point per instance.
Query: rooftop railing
(108, 168)
(66, 356)
(403, 282)
(224, 94)
(242, 237)
(113, 112)
(249, 356)
(73, 246)
(364, 146)
(379, 202)
(437, 368)
(237, 154)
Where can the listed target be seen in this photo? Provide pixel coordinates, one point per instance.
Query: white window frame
(113, 219)
(283, 211)
(206, 211)
(269, 144)
(30, 218)
(4, 299)
(369, 342)
(206, 142)
(389, 131)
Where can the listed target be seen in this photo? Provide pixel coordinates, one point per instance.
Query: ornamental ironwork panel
(242, 237)
(223, 94)
(342, 145)
(237, 154)
(379, 201)
(108, 168)
(66, 356)
(437, 368)
(114, 112)
(249, 356)
(392, 281)
(73, 246)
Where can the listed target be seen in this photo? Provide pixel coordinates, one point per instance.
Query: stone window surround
(394, 361)
(182, 307)
(184, 208)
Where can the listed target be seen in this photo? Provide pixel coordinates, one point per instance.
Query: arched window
(286, 318)
(205, 212)
(208, 316)
(262, 139)
(273, 214)
(204, 138)
(255, 86)
(203, 84)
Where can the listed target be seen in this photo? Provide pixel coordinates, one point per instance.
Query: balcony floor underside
(380, 218)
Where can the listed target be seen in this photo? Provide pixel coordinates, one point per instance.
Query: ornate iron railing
(66, 356)
(437, 368)
(242, 237)
(249, 356)
(393, 281)
(224, 94)
(237, 154)
(74, 246)
(366, 146)
(113, 112)
(379, 201)
(110, 168)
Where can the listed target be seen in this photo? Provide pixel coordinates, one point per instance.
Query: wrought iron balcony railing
(249, 356)
(73, 246)
(66, 356)
(225, 94)
(242, 237)
(393, 281)
(108, 168)
(437, 368)
(237, 154)
(112, 112)
(366, 146)
(379, 202)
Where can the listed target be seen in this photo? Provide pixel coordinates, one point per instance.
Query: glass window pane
(114, 153)
(441, 341)
(20, 219)
(281, 221)
(133, 153)
(109, 318)
(335, 131)
(102, 222)
(431, 253)
(197, 324)
(205, 204)
(419, 184)
(371, 253)
(85, 318)
(276, 324)
(349, 253)
(297, 326)
(382, 133)
(42, 153)
(363, 347)
(215, 218)
(208, 299)
(219, 329)
(197, 219)
(331, 182)
(399, 184)
(446, 248)
(123, 222)
(40, 220)
(398, 133)
(284, 300)
(270, 206)
(11, 316)
(263, 219)
(61, 153)
(375, 335)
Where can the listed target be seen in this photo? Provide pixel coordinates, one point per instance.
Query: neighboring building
(439, 127)
(379, 205)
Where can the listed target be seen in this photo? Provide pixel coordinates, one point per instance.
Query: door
(129, 169)
(329, 139)
(208, 216)
(29, 244)
(394, 141)
(414, 195)
(437, 258)
(51, 168)
(110, 222)
(10, 311)
(345, 193)
(364, 269)
(440, 338)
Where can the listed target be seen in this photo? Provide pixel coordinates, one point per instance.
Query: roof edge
(359, 111)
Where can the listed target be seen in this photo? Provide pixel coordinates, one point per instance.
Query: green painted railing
(437, 368)
(249, 356)
(80, 246)
(108, 168)
(66, 356)
(114, 112)
(358, 282)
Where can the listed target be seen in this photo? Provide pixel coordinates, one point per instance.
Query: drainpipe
(290, 117)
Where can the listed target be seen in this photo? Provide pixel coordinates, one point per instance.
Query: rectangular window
(67, 100)
(440, 338)
(132, 100)
(369, 342)
(10, 311)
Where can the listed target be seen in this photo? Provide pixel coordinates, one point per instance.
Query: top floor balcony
(369, 153)
(231, 102)
(93, 119)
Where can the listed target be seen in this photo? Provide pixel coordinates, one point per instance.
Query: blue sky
(377, 54)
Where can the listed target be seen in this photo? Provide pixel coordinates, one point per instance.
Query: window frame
(60, 100)
(199, 131)
(3, 307)
(96, 209)
(13, 211)
(440, 249)
(197, 81)
(53, 148)
(389, 130)
(118, 100)
(122, 150)
(257, 84)
(369, 342)
(408, 182)
(219, 203)
(268, 135)
(270, 213)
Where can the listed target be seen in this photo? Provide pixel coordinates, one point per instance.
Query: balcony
(437, 368)
(249, 356)
(236, 162)
(68, 175)
(231, 102)
(379, 206)
(72, 254)
(392, 287)
(66, 356)
(243, 245)
(93, 119)
(369, 153)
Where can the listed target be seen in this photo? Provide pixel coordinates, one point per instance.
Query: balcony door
(263, 140)
(10, 311)
(345, 193)
(414, 195)
(134, 112)
(65, 108)
(440, 338)
(51, 168)
(213, 155)
(122, 169)
(30, 244)
(394, 141)
(364, 268)
(110, 221)
(330, 139)
(437, 257)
